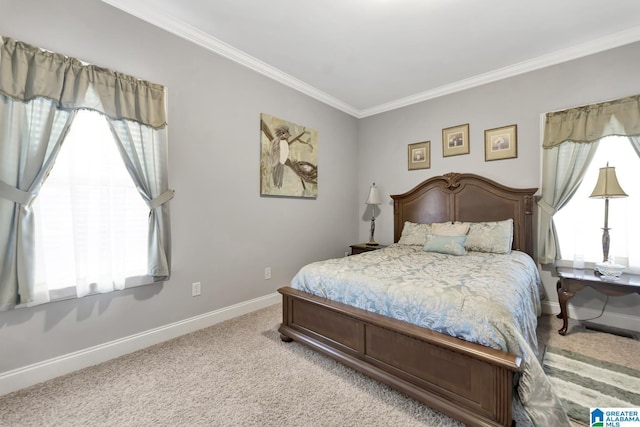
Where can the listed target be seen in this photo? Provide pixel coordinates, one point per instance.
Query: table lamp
(373, 199)
(607, 188)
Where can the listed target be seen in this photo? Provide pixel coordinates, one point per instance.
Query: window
(579, 223)
(43, 95)
(91, 222)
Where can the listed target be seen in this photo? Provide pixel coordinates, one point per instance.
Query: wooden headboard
(468, 197)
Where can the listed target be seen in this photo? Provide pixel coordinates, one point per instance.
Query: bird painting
(289, 163)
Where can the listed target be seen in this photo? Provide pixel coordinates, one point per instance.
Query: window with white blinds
(94, 233)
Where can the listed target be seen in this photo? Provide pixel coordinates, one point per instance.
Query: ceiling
(369, 56)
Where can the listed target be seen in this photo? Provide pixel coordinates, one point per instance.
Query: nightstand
(363, 247)
(571, 281)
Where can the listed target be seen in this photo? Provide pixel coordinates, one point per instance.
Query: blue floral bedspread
(488, 299)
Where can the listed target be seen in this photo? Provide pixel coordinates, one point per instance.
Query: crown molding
(622, 38)
(194, 35)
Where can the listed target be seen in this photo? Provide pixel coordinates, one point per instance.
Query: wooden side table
(358, 248)
(572, 281)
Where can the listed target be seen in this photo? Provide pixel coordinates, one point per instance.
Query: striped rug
(582, 382)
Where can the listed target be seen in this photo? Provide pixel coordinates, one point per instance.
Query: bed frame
(469, 382)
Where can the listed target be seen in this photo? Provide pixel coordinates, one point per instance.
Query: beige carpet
(602, 346)
(239, 373)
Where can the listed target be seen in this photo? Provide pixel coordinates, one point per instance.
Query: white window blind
(91, 223)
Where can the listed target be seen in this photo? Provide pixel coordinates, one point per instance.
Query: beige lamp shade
(374, 196)
(607, 185)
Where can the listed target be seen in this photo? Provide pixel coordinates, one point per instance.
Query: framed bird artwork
(288, 158)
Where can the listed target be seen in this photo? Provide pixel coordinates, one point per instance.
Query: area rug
(582, 382)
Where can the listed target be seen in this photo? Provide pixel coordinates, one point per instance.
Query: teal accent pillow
(451, 245)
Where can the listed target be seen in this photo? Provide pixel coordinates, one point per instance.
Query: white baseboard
(621, 321)
(38, 372)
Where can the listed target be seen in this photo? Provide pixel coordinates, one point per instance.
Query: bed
(473, 382)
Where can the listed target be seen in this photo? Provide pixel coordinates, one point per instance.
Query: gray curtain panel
(31, 134)
(144, 151)
(563, 167)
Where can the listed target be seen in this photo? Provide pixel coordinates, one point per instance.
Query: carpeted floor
(239, 373)
(603, 346)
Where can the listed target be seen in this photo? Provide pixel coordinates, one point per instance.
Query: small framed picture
(420, 155)
(501, 143)
(455, 140)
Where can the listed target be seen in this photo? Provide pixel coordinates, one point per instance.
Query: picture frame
(501, 143)
(419, 155)
(455, 140)
(288, 158)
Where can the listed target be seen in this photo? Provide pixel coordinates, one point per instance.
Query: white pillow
(450, 229)
(492, 236)
(414, 234)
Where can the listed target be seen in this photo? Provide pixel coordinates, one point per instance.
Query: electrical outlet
(267, 273)
(196, 288)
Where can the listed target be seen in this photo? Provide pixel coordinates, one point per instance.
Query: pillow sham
(451, 245)
(492, 236)
(414, 234)
(449, 228)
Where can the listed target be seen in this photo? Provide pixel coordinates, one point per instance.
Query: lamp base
(605, 243)
(372, 241)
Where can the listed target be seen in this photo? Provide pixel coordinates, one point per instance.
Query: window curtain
(144, 151)
(31, 135)
(32, 80)
(635, 142)
(570, 141)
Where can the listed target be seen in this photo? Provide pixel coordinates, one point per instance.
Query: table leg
(563, 297)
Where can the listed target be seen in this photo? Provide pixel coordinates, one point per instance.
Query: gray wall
(520, 100)
(224, 233)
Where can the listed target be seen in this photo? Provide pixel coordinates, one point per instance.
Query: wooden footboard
(468, 382)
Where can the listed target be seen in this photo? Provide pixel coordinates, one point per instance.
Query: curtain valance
(592, 122)
(27, 72)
